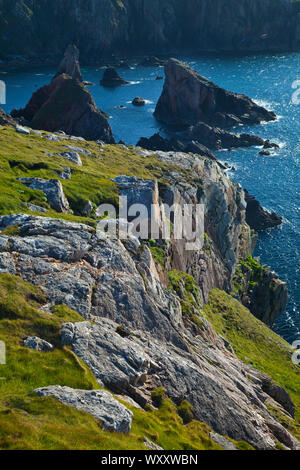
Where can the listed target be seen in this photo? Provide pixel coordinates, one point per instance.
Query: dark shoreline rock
(188, 98)
(157, 142)
(217, 139)
(257, 217)
(112, 79)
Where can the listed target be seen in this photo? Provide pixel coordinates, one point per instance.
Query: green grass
(185, 287)
(256, 344)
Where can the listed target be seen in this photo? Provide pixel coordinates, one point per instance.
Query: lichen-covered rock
(113, 415)
(38, 344)
(72, 157)
(188, 98)
(53, 190)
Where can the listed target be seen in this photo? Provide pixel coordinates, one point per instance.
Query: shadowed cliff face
(101, 27)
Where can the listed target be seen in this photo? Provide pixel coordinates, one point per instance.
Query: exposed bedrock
(188, 98)
(118, 285)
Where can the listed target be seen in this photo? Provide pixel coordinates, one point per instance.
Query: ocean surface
(274, 180)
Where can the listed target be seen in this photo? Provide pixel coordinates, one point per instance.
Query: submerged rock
(257, 217)
(66, 105)
(188, 98)
(70, 63)
(139, 101)
(102, 405)
(112, 79)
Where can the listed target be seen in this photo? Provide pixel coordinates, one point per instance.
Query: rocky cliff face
(139, 339)
(102, 27)
(142, 302)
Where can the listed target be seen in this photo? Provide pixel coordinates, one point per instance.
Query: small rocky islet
(159, 327)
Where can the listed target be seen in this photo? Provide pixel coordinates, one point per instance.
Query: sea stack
(112, 79)
(188, 98)
(70, 63)
(66, 105)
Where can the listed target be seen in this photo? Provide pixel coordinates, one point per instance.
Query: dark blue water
(273, 180)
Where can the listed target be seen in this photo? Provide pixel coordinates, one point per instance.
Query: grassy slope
(256, 344)
(90, 182)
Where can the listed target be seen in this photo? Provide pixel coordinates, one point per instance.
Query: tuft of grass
(185, 411)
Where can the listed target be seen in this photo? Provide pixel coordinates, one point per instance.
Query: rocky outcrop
(137, 335)
(136, 364)
(6, 119)
(135, 27)
(112, 415)
(70, 63)
(259, 218)
(66, 105)
(157, 142)
(38, 344)
(189, 98)
(266, 297)
(112, 79)
(53, 190)
(217, 139)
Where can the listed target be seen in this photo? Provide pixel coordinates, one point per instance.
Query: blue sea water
(273, 180)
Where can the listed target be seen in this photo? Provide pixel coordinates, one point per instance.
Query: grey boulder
(38, 344)
(102, 405)
(53, 190)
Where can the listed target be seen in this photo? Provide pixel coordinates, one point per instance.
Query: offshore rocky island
(137, 344)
